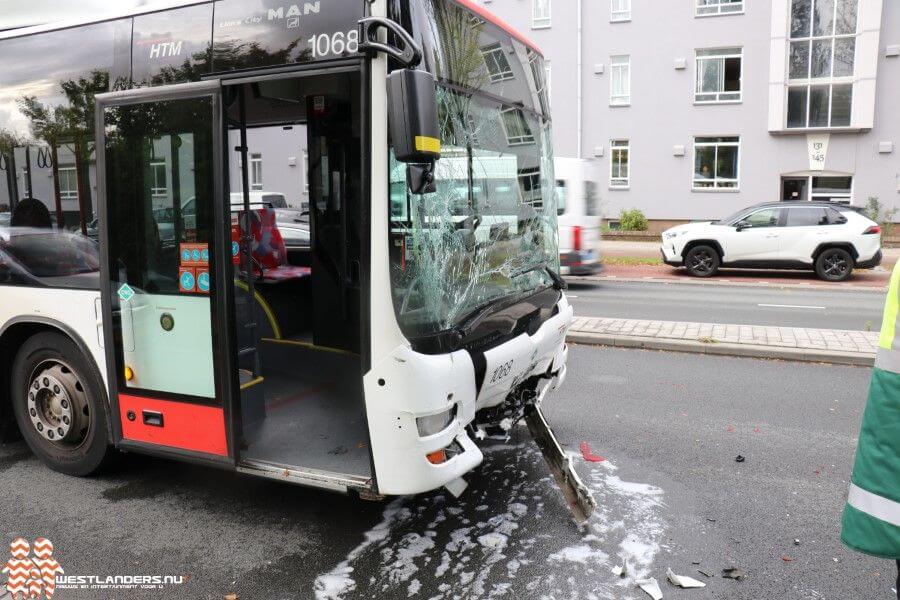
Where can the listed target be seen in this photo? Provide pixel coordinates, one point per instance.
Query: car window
(767, 217)
(835, 217)
(804, 216)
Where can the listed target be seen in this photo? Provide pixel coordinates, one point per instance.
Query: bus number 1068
(325, 44)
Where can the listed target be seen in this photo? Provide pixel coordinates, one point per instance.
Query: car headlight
(671, 235)
(436, 423)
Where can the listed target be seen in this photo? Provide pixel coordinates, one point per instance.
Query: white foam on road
(495, 541)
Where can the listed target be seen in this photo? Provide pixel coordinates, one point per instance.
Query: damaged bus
(148, 301)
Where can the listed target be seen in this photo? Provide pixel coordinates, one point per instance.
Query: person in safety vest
(871, 522)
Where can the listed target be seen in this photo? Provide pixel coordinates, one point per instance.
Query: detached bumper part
(579, 498)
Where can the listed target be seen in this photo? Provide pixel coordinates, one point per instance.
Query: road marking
(791, 306)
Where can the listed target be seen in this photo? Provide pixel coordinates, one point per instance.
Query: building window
(620, 10)
(516, 127)
(620, 80)
(158, 186)
(497, 64)
(718, 75)
(832, 189)
(68, 184)
(707, 8)
(540, 16)
(716, 161)
(821, 63)
(256, 180)
(620, 159)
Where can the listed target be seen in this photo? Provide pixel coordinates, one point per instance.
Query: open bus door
(220, 349)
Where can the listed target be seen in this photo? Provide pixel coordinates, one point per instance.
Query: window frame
(540, 20)
(523, 139)
(722, 55)
(809, 82)
(616, 62)
(716, 187)
(67, 192)
(256, 172)
(616, 181)
(718, 12)
(157, 191)
(622, 15)
(502, 74)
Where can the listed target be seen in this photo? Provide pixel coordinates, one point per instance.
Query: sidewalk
(786, 343)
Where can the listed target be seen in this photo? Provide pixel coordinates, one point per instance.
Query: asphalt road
(669, 492)
(743, 305)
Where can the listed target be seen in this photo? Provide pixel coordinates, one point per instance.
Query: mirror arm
(408, 53)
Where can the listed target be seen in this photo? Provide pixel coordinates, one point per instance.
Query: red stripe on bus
(186, 426)
(492, 18)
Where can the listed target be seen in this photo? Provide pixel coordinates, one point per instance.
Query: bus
(144, 309)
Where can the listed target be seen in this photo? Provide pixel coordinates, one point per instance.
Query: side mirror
(741, 225)
(413, 122)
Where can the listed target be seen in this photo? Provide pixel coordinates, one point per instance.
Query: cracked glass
(488, 234)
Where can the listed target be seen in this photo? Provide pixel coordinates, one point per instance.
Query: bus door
(163, 247)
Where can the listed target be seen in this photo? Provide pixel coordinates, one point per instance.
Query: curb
(857, 359)
(727, 282)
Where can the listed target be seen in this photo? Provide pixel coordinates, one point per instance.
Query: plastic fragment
(796, 541)
(588, 455)
(740, 458)
(704, 573)
(683, 581)
(651, 587)
(733, 573)
(786, 558)
(618, 570)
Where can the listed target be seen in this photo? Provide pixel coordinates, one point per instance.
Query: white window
(620, 10)
(158, 185)
(821, 63)
(497, 64)
(716, 162)
(540, 16)
(833, 189)
(707, 8)
(306, 172)
(619, 164)
(256, 180)
(518, 132)
(620, 80)
(718, 75)
(68, 184)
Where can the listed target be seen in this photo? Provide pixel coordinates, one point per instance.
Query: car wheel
(58, 401)
(702, 261)
(834, 264)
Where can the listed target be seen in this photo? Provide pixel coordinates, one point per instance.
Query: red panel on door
(186, 426)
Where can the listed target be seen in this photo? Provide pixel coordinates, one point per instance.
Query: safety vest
(871, 521)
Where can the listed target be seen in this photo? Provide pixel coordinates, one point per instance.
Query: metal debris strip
(578, 497)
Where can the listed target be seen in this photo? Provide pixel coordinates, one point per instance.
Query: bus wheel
(58, 402)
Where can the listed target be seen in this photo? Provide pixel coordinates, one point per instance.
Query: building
(693, 109)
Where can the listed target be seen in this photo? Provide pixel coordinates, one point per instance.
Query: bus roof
(492, 18)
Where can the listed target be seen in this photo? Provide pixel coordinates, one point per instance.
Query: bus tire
(58, 401)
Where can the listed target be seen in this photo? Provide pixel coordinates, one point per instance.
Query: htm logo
(165, 49)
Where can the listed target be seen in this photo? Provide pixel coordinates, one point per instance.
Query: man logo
(31, 578)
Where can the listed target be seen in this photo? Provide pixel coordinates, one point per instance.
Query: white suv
(831, 239)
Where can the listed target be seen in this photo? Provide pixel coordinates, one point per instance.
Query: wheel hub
(56, 404)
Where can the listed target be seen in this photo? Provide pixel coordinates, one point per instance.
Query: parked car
(831, 239)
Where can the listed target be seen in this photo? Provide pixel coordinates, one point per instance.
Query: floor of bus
(314, 410)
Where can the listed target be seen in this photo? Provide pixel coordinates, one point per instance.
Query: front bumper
(670, 256)
(580, 262)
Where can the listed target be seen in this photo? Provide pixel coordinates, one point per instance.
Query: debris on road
(683, 581)
(786, 558)
(740, 458)
(621, 570)
(651, 587)
(796, 541)
(733, 573)
(588, 455)
(704, 573)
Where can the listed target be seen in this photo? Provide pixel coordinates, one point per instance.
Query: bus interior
(297, 322)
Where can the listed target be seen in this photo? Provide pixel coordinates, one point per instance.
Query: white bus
(370, 366)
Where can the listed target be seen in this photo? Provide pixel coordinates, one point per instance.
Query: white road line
(791, 306)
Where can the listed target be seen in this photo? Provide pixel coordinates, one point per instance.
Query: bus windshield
(489, 232)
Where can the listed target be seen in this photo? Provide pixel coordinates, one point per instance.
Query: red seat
(269, 251)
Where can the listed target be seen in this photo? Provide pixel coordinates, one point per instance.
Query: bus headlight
(435, 423)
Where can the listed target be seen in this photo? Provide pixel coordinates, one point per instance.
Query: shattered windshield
(489, 232)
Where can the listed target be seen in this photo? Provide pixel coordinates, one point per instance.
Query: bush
(632, 220)
(877, 213)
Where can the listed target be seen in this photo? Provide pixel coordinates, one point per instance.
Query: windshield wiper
(558, 282)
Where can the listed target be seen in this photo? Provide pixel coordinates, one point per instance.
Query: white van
(579, 217)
